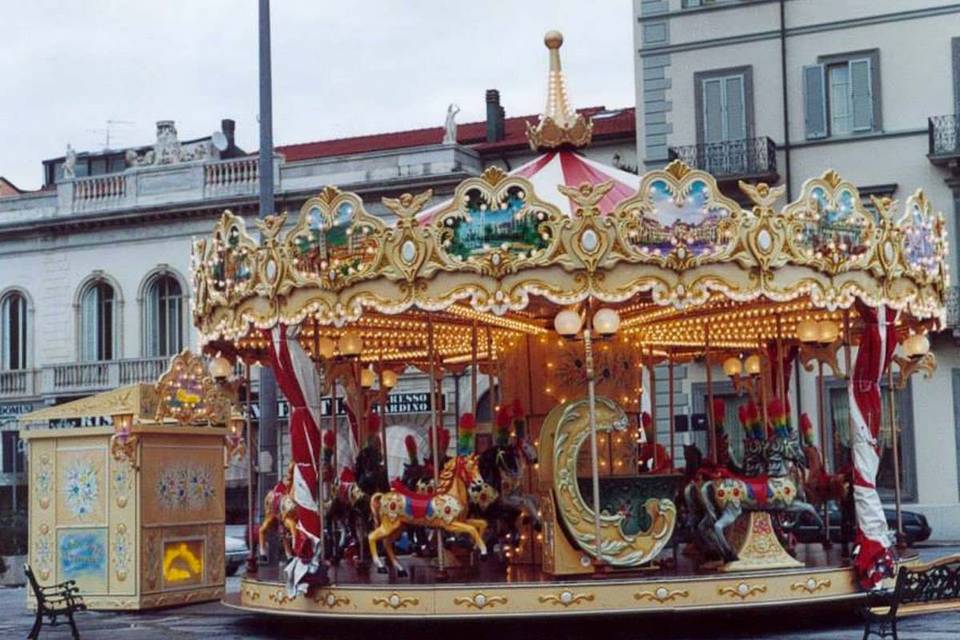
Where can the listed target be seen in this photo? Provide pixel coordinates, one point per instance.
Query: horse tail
(375, 508)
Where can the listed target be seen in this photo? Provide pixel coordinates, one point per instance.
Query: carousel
(587, 300)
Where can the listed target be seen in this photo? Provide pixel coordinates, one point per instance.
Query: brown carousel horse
(279, 509)
(445, 509)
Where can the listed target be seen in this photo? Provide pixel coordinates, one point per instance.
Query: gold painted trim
(661, 594)
(566, 598)
(742, 590)
(479, 600)
(396, 601)
(810, 585)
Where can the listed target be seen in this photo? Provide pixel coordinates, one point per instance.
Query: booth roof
(130, 399)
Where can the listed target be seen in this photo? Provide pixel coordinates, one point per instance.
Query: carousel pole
(592, 413)
(848, 359)
(712, 433)
(763, 391)
(318, 461)
(382, 393)
(653, 407)
(672, 411)
(895, 437)
(822, 422)
(490, 378)
(435, 437)
(781, 378)
(336, 449)
(251, 488)
(473, 370)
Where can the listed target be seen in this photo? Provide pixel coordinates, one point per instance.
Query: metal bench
(58, 600)
(925, 588)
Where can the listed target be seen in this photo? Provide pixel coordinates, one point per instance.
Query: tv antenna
(108, 131)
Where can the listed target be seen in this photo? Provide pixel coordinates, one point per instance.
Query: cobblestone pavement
(214, 620)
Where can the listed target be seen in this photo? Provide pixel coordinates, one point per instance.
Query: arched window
(13, 331)
(98, 322)
(163, 325)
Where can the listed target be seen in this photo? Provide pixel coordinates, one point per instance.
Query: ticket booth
(127, 491)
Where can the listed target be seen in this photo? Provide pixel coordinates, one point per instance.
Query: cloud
(339, 68)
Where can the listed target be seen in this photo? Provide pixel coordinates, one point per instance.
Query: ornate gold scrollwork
(566, 598)
(909, 366)
(742, 590)
(479, 600)
(567, 427)
(661, 594)
(396, 601)
(811, 585)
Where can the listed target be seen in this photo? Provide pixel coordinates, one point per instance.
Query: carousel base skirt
(492, 590)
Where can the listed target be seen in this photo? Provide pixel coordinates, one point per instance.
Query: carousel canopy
(682, 263)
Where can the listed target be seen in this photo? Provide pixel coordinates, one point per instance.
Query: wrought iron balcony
(750, 158)
(953, 309)
(944, 139)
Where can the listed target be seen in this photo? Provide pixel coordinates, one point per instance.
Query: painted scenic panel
(687, 218)
(832, 228)
(483, 226)
(82, 556)
(334, 245)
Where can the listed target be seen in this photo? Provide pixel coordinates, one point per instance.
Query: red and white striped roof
(564, 167)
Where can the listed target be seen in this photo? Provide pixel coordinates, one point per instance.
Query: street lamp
(605, 322)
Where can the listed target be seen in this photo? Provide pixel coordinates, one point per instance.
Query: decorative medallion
(43, 481)
(661, 594)
(396, 601)
(479, 600)
(43, 553)
(122, 484)
(566, 598)
(329, 599)
(120, 552)
(811, 585)
(742, 590)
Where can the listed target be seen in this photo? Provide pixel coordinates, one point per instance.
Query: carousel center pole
(435, 438)
(670, 407)
(653, 408)
(382, 410)
(251, 480)
(592, 412)
(473, 370)
(492, 393)
(822, 422)
(847, 504)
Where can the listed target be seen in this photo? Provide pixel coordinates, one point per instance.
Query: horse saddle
(418, 505)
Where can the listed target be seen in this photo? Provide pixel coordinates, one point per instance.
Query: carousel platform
(492, 590)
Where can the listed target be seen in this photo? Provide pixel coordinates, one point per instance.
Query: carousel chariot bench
(56, 600)
(926, 588)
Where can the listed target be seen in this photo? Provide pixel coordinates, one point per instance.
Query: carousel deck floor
(491, 589)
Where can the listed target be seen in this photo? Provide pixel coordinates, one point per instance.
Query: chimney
(229, 128)
(495, 116)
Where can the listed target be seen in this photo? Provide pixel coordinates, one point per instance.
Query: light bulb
(752, 364)
(808, 331)
(567, 323)
(732, 367)
(606, 322)
(916, 346)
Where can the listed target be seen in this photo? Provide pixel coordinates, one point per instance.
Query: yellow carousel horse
(279, 509)
(445, 509)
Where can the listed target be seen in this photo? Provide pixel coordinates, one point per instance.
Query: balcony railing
(952, 304)
(944, 138)
(99, 192)
(732, 159)
(89, 377)
(18, 383)
(230, 177)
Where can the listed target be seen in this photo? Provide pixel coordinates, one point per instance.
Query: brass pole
(318, 455)
(781, 377)
(895, 437)
(653, 406)
(473, 371)
(763, 389)
(592, 413)
(822, 423)
(435, 435)
(382, 393)
(672, 411)
(492, 393)
(848, 358)
(251, 479)
(712, 435)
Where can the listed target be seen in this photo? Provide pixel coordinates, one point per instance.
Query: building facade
(94, 266)
(781, 91)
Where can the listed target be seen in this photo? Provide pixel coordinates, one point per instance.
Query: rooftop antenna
(107, 131)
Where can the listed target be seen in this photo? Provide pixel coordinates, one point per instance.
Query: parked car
(235, 548)
(915, 526)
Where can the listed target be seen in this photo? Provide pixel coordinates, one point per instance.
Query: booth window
(164, 317)
(98, 320)
(13, 331)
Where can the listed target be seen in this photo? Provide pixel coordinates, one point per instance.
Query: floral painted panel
(186, 487)
(82, 486)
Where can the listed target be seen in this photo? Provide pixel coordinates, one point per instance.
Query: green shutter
(814, 101)
(861, 94)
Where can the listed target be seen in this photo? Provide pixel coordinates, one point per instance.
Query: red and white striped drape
(873, 560)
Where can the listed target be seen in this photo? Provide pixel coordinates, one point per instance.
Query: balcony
(944, 141)
(81, 378)
(20, 383)
(952, 303)
(748, 159)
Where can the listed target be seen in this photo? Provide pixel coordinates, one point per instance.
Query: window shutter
(712, 110)
(88, 324)
(734, 112)
(814, 101)
(861, 94)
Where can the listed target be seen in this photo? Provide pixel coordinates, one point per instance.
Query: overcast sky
(340, 68)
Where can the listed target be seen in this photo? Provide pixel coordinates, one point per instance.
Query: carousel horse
(819, 485)
(725, 496)
(279, 509)
(445, 509)
(502, 469)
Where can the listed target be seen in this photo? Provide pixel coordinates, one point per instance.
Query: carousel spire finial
(559, 124)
